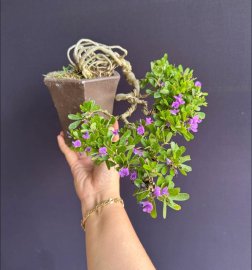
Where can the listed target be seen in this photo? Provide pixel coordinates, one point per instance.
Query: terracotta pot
(67, 95)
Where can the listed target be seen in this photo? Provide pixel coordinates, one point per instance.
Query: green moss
(66, 72)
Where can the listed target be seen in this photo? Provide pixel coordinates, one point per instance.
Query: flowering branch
(146, 150)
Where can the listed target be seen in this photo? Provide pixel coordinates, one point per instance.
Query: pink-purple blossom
(76, 143)
(168, 161)
(138, 152)
(193, 122)
(164, 191)
(162, 84)
(69, 134)
(198, 84)
(160, 192)
(124, 172)
(88, 149)
(148, 121)
(103, 151)
(147, 206)
(115, 131)
(133, 176)
(157, 191)
(86, 135)
(176, 104)
(179, 99)
(140, 130)
(174, 112)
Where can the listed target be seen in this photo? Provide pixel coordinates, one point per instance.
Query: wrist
(89, 203)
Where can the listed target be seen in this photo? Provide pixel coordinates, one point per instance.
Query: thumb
(70, 155)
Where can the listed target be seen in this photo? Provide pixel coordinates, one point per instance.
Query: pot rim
(54, 79)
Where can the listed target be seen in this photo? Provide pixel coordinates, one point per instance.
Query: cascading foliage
(146, 150)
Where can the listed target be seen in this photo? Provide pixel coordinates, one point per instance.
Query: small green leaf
(201, 115)
(154, 211)
(164, 170)
(74, 117)
(157, 95)
(74, 124)
(141, 195)
(174, 206)
(164, 91)
(164, 209)
(181, 197)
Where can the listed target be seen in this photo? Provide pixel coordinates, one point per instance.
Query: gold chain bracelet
(98, 206)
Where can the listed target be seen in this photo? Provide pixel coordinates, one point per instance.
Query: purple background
(40, 212)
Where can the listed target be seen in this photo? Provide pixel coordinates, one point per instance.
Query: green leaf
(168, 137)
(201, 115)
(154, 211)
(164, 170)
(174, 191)
(186, 168)
(157, 95)
(160, 180)
(164, 91)
(174, 206)
(164, 209)
(184, 159)
(181, 197)
(141, 195)
(74, 116)
(74, 124)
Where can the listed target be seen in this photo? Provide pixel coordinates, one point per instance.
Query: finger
(116, 126)
(70, 155)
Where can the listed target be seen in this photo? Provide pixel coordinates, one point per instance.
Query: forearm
(111, 242)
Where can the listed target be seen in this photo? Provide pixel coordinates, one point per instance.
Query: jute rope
(94, 60)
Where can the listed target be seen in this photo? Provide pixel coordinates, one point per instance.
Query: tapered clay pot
(68, 94)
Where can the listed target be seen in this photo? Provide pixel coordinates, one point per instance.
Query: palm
(90, 179)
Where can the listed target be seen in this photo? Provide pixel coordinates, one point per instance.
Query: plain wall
(40, 212)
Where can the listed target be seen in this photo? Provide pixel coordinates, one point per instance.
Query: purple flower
(88, 149)
(175, 104)
(86, 135)
(85, 121)
(124, 172)
(103, 151)
(157, 191)
(138, 152)
(133, 176)
(147, 206)
(198, 84)
(76, 143)
(164, 191)
(140, 130)
(115, 131)
(174, 112)
(162, 84)
(193, 122)
(68, 134)
(168, 161)
(148, 121)
(179, 99)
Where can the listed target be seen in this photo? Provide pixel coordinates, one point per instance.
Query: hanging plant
(146, 151)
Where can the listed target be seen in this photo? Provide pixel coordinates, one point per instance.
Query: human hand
(93, 183)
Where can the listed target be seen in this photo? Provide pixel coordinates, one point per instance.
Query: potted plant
(146, 151)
